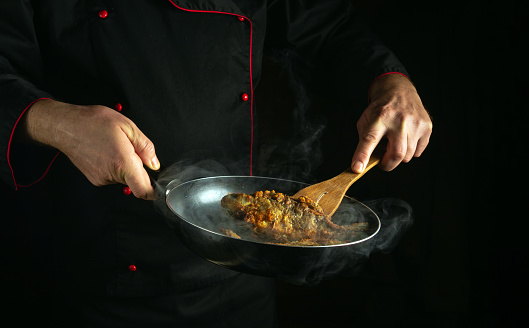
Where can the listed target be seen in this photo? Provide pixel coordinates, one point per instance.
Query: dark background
(461, 263)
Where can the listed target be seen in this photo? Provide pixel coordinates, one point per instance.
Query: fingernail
(155, 163)
(358, 167)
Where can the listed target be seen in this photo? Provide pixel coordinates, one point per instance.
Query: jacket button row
(245, 97)
(132, 267)
(103, 14)
(240, 18)
(127, 191)
(118, 107)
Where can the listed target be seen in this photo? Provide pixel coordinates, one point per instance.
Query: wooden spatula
(329, 193)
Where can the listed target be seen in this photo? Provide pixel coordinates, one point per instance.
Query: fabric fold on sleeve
(21, 84)
(330, 39)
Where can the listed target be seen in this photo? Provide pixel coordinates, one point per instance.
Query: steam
(297, 265)
(180, 172)
(396, 217)
(296, 155)
(295, 159)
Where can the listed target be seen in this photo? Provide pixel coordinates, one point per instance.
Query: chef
(95, 93)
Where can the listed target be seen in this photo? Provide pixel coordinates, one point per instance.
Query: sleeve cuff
(28, 163)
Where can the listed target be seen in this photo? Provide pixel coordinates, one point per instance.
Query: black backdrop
(461, 263)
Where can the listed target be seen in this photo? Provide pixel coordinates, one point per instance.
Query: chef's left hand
(396, 113)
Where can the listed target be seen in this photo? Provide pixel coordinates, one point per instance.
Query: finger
(410, 150)
(139, 182)
(395, 152)
(368, 142)
(144, 148)
(421, 145)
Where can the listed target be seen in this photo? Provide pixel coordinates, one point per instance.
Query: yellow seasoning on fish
(277, 218)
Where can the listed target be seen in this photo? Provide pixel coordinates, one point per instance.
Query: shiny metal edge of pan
(199, 199)
(253, 186)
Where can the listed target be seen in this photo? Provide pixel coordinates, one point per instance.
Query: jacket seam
(250, 64)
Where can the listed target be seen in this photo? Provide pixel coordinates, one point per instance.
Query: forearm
(39, 123)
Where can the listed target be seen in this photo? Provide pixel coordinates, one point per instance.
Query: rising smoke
(297, 153)
(295, 158)
(395, 218)
(296, 265)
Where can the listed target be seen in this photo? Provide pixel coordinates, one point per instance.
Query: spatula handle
(348, 177)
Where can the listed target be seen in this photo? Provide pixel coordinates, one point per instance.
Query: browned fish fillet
(230, 233)
(277, 218)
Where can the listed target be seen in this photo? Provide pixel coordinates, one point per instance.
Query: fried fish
(277, 218)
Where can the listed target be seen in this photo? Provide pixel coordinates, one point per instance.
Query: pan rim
(177, 185)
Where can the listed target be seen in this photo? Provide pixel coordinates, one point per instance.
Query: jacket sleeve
(328, 45)
(21, 72)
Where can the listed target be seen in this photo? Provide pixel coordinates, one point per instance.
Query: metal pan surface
(199, 218)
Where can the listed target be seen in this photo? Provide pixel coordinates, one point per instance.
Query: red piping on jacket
(369, 90)
(251, 76)
(9, 149)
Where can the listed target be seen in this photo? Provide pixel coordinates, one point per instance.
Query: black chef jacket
(185, 72)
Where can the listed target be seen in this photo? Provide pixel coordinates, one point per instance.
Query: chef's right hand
(104, 145)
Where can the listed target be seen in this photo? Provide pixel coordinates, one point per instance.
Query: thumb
(144, 148)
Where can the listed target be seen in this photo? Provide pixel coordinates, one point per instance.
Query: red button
(245, 97)
(103, 14)
(127, 191)
(132, 267)
(118, 107)
(240, 18)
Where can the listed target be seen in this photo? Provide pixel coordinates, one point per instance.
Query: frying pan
(198, 219)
